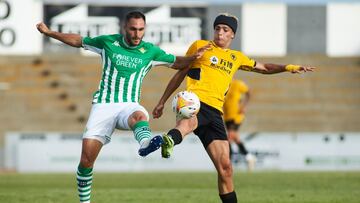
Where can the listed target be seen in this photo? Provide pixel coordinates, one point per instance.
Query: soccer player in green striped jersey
(126, 60)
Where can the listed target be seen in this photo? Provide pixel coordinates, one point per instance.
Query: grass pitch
(258, 187)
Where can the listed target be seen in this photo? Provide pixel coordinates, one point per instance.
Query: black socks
(229, 197)
(242, 149)
(175, 134)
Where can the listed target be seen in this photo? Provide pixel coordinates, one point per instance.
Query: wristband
(292, 67)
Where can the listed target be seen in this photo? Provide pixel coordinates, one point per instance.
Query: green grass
(259, 187)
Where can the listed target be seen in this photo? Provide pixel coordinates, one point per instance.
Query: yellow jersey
(209, 77)
(233, 101)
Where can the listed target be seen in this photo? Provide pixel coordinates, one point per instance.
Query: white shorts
(104, 118)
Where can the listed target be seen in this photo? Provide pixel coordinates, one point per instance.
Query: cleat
(167, 146)
(251, 161)
(153, 145)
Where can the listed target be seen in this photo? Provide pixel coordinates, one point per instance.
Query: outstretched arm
(74, 40)
(173, 84)
(183, 62)
(269, 68)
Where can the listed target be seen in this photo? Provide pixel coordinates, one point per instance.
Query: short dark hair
(134, 14)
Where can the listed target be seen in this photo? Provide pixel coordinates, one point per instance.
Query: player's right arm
(74, 40)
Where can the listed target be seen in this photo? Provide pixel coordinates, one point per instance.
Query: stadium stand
(323, 101)
(53, 93)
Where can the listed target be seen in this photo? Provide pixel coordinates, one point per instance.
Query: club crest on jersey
(233, 57)
(142, 50)
(116, 43)
(214, 60)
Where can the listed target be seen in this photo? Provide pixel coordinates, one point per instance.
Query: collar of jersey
(125, 44)
(216, 46)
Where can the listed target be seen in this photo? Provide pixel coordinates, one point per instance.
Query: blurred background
(294, 122)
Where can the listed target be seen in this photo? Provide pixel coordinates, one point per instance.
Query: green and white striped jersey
(124, 67)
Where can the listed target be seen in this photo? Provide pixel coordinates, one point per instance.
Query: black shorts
(210, 125)
(231, 125)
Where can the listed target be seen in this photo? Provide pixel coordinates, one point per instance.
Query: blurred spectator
(235, 104)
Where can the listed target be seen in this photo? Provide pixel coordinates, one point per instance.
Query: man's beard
(130, 40)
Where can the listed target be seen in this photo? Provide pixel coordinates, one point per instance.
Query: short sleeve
(246, 63)
(95, 44)
(243, 87)
(192, 49)
(163, 58)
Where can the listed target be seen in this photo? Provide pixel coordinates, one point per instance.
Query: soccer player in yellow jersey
(235, 102)
(209, 78)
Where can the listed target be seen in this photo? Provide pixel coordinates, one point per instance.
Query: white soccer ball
(186, 104)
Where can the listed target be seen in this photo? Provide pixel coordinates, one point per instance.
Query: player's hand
(241, 110)
(158, 111)
(303, 69)
(200, 52)
(42, 28)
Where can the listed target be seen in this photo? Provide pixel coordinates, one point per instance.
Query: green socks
(84, 180)
(142, 131)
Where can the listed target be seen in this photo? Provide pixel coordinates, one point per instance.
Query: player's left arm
(269, 68)
(74, 40)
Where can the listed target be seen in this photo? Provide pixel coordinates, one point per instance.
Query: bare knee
(136, 117)
(225, 168)
(192, 125)
(89, 152)
(86, 162)
(187, 125)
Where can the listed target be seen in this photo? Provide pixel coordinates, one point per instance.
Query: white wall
(274, 151)
(264, 29)
(18, 33)
(53, 153)
(343, 29)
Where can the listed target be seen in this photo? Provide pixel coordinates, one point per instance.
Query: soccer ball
(186, 104)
